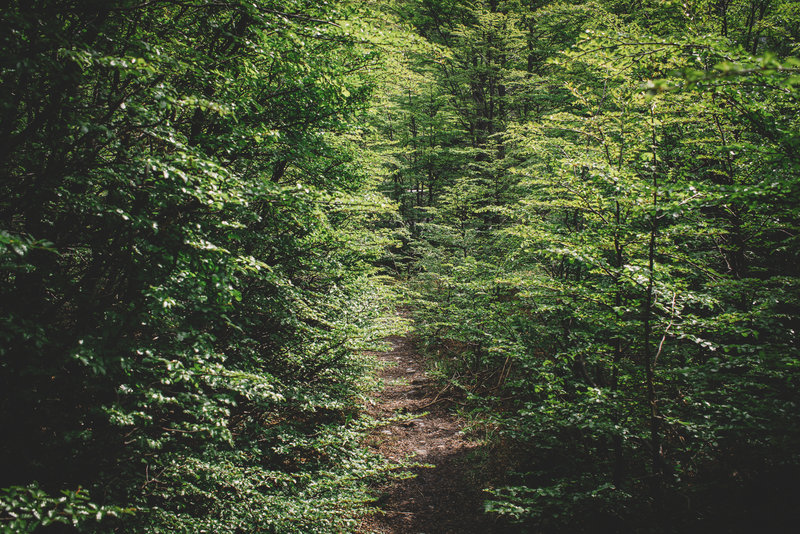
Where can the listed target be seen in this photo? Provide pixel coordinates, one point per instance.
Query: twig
(436, 398)
(666, 331)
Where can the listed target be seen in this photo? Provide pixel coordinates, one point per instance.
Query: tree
(616, 300)
(187, 265)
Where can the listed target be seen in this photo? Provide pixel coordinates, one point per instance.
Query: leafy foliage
(187, 276)
(610, 277)
(597, 202)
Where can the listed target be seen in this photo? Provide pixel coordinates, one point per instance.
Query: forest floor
(445, 497)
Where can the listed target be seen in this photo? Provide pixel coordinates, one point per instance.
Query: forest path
(442, 499)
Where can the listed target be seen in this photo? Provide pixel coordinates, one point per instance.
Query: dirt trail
(443, 499)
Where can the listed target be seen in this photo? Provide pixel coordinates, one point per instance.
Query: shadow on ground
(446, 498)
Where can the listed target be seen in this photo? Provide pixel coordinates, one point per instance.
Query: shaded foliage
(186, 265)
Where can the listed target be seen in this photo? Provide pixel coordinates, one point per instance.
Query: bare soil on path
(442, 499)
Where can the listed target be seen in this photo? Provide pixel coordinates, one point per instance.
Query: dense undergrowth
(598, 212)
(187, 247)
(601, 200)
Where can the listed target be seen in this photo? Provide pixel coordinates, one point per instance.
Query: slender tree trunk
(652, 402)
